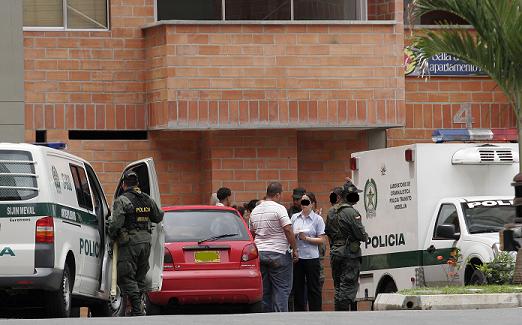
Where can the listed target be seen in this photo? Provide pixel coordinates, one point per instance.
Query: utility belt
(351, 246)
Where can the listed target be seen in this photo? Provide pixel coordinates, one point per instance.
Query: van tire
(113, 308)
(150, 308)
(59, 302)
(477, 278)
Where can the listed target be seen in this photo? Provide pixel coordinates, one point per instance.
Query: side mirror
(447, 231)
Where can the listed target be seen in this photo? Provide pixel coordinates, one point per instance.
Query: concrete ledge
(395, 301)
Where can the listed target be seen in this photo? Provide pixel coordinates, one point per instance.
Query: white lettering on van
(20, 210)
(489, 203)
(68, 214)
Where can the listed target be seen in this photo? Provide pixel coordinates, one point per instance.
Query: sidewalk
(395, 301)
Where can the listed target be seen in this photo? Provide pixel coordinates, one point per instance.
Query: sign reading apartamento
(440, 65)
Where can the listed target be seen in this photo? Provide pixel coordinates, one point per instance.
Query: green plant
(500, 270)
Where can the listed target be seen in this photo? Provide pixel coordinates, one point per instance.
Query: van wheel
(115, 307)
(59, 302)
(150, 308)
(389, 287)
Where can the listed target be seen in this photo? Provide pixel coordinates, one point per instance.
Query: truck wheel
(477, 278)
(115, 307)
(389, 287)
(58, 303)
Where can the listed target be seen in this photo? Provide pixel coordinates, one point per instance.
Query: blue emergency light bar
(446, 135)
(53, 145)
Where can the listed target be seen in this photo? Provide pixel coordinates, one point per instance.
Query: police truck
(432, 212)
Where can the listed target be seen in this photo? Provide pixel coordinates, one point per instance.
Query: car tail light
(249, 253)
(45, 230)
(168, 261)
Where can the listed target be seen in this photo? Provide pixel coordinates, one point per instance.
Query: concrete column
(11, 72)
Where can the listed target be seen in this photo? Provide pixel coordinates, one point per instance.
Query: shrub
(500, 270)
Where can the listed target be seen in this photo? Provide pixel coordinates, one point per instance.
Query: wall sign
(440, 65)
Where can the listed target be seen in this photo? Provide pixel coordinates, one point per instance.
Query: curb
(395, 301)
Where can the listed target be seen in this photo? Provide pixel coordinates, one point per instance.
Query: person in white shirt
(272, 231)
(224, 194)
(309, 229)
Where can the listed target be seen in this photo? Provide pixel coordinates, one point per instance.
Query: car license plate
(207, 257)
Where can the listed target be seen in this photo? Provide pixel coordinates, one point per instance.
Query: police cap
(349, 187)
(130, 177)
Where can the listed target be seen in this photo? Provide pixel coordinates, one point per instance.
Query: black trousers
(307, 284)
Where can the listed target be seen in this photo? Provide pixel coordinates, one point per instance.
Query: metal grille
(494, 154)
(17, 176)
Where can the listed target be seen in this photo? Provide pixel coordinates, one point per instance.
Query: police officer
(130, 226)
(345, 233)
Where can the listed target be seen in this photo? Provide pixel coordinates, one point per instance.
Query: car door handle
(431, 249)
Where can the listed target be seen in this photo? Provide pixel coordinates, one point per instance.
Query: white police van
(53, 241)
(429, 209)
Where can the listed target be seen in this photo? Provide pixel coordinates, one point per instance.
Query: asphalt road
(460, 317)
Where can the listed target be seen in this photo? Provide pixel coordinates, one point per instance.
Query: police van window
(17, 176)
(83, 193)
(143, 177)
(447, 216)
(100, 205)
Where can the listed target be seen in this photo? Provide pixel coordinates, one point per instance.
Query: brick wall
(247, 161)
(89, 80)
(431, 104)
(274, 76)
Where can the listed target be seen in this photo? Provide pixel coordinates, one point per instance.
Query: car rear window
(192, 225)
(17, 176)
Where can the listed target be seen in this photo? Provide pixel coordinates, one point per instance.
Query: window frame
(363, 14)
(64, 28)
(442, 206)
(408, 25)
(79, 191)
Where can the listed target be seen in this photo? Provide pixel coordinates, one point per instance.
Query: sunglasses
(305, 202)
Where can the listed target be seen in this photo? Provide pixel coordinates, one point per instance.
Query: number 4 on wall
(463, 116)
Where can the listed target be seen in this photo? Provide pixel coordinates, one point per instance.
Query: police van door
(148, 183)
(438, 258)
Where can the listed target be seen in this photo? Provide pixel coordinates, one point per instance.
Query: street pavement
(460, 317)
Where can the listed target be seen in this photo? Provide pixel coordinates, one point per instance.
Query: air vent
(485, 155)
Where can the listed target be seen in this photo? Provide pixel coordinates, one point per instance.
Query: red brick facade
(240, 105)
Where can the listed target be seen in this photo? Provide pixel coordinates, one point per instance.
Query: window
(488, 216)
(67, 14)
(17, 176)
(101, 208)
(189, 10)
(194, 225)
(261, 10)
(143, 179)
(447, 216)
(257, 10)
(432, 18)
(83, 192)
(325, 9)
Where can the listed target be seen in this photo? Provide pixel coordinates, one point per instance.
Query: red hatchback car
(210, 258)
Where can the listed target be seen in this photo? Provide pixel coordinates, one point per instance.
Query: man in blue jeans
(272, 231)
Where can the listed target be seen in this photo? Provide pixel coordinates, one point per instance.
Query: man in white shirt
(224, 194)
(272, 231)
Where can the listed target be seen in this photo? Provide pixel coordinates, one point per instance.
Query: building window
(189, 10)
(326, 9)
(261, 10)
(431, 18)
(66, 14)
(257, 9)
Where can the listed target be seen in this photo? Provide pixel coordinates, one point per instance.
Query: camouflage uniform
(133, 211)
(345, 232)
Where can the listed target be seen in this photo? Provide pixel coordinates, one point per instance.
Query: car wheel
(58, 303)
(115, 307)
(256, 307)
(150, 308)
